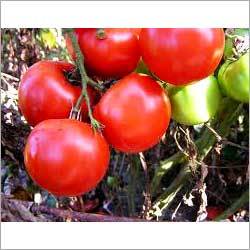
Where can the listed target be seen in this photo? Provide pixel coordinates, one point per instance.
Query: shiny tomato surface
(112, 56)
(66, 157)
(181, 56)
(45, 93)
(135, 113)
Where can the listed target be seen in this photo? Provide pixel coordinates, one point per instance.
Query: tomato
(213, 212)
(135, 113)
(234, 79)
(112, 56)
(66, 157)
(181, 56)
(45, 93)
(195, 103)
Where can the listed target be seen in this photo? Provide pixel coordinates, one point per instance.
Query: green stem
(164, 167)
(243, 200)
(222, 123)
(84, 80)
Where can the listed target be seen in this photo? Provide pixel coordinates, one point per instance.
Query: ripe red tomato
(113, 56)
(135, 113)
(66, 157)
(45, 93)
(181, 56)
(213, 212)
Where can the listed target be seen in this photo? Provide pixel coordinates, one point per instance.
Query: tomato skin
(112, 57)
(195, 103)
(181, 56)
(135, 113)
(234, 79)
(45, 93)
(66, 157)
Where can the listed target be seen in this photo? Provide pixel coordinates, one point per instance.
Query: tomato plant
(112, 53)
(66, 157)
(45, 92)
(195, 103)
(234, 78)
(181, 56)
(135, 113)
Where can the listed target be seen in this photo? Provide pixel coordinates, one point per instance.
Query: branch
(31, 207)
(243, 200)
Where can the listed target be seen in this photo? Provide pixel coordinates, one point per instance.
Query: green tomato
(233, 78)
(195, 103)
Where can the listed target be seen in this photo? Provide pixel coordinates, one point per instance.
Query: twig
(10, 77)
(242, 201)
(225, 141)
(176, 210)
(66, 214)
(233, 166)
(95, 85)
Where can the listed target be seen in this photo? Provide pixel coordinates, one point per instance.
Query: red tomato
(66, 157)
(45, 93)
(181, 56)
(135, 113)
(213, 212)
(113, 56)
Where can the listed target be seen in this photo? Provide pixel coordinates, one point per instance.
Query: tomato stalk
(84, 80)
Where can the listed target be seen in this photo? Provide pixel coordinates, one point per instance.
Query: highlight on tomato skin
(45, 92)
(66, 157)
(182, 55)
(135, 113)
(114, 55)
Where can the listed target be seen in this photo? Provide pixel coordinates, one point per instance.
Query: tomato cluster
(65, 156)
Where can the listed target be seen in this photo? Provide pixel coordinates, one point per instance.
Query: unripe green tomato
(195, 103)
(233, 78)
